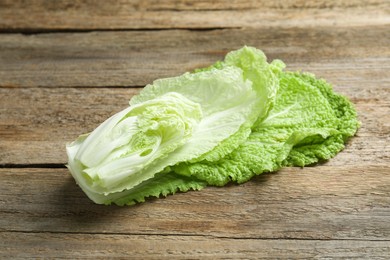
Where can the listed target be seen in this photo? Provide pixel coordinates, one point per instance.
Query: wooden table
(65, 66)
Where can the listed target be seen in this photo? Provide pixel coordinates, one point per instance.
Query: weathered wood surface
(65, 66)
(179, 247)
(348, 56)
(326, 202)
(41, 15)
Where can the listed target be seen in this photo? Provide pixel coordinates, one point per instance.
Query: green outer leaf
(163, 184)
(308, 123)
(308, 153)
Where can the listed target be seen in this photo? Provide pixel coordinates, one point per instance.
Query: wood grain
(338, 202)
(51, 245)
(41, 15)
(136, 58)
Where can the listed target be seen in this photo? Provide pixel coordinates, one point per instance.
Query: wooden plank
(136, 58)
(338, 202)
(40, 15)
(36, 123)
(181, 247)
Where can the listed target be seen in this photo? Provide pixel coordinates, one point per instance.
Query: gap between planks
(192, 236)
(33, 165)
(37, 31)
